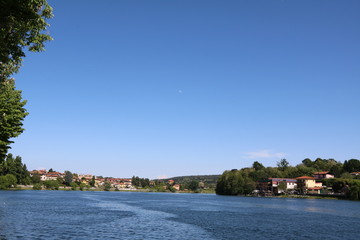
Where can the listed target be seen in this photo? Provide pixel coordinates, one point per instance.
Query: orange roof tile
(305, 177)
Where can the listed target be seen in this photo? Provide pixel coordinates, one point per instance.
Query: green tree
(346, 175)
(15, 167)
(337, 169)
(35, 178)
(92, 182)
(107, 186)
(354, 193)
(193, 185)
(257, 166)
(307, 162)
(7, 181)
(73, 186)
(82, 186)
(282, 186)
(352, 165)
(37, 186)
(51, 184)
(234, 182)
(135, 181)
(68, 178)
(171, 188)
(22, 25)
(12, 113)
(283, 164)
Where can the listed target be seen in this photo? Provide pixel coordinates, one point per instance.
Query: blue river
(135, 215)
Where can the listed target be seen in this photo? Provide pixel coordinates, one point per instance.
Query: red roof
(280, 178)
(38, 171)
(321, 172)
(305, 177)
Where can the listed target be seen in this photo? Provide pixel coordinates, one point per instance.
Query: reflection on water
(120, 215)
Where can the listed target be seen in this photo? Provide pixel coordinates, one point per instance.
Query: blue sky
(170, 88)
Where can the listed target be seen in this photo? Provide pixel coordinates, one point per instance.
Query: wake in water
(148, 224)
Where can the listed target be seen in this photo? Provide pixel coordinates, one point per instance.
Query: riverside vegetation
(23, 26)
(244, 181)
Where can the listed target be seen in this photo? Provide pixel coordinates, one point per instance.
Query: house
(53, 175)
(44, 176)
(322, 175)
(314, 190)
(99, 182)
(306, 184)
(85, 178)
(171, 182)
(40, 172)
(277, 185)
(176, 186)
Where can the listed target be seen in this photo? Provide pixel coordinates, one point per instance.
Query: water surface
(129, 215)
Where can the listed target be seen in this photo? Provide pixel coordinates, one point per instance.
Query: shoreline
(181, 192)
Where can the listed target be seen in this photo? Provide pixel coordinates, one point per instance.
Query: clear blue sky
(169, 88)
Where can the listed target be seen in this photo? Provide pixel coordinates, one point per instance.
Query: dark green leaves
(12, 113)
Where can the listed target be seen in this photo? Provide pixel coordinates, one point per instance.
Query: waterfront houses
(118, 183)
(301, 185)
(44, 175)
(322, 175)
(306, 184)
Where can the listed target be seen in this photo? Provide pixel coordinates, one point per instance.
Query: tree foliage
(283, 164)
(7, 181)
(15, 167)
(193, 185)
(68, 178)
(352, 165)
(140, 182)
(92, 182)
(51, 184)
(22, 25)
(107, 186)
(240, 182)
(235, 182)
(257, 166)
(12, 113)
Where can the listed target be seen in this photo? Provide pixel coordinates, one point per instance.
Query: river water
(133, 215)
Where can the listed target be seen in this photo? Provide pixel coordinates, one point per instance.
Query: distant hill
(209, 180)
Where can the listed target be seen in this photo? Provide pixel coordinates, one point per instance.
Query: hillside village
(49, 179)
(86, 179)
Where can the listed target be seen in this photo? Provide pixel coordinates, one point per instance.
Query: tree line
(22, 26)
(12, 172)
(244, 181)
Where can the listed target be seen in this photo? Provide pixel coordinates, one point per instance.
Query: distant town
(53, 180)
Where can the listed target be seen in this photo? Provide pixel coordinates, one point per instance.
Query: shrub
(37, 186)
(7, 181)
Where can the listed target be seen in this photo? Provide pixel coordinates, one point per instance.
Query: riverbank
(93, 189)
(203, 191)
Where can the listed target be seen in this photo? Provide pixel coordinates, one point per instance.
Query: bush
(82, 186)
(73, 186)
(7, 181)
(37, 186)
(51, 184)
